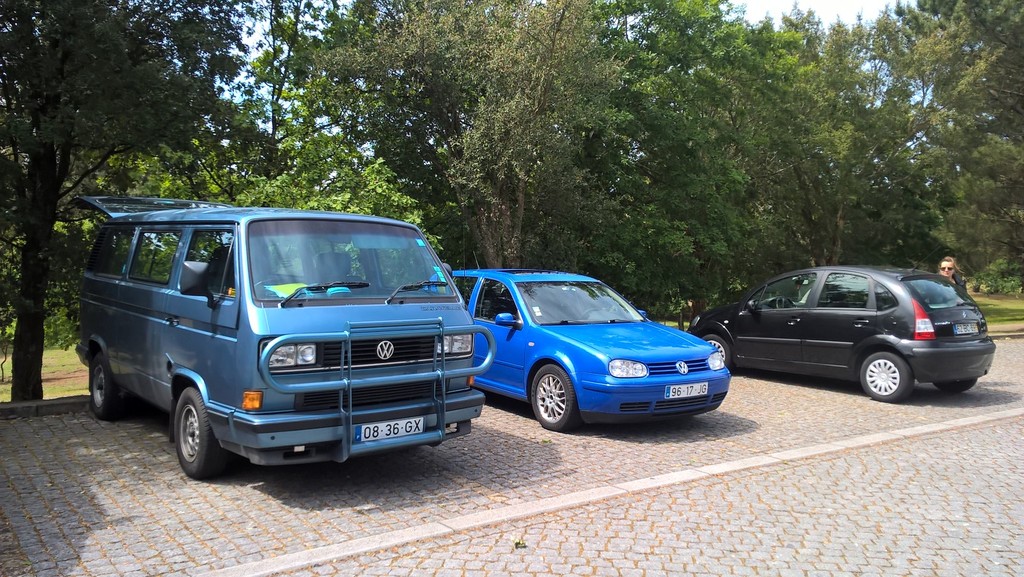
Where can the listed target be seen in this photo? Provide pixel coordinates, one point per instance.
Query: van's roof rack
(114, 206)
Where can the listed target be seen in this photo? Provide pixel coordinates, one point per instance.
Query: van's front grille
(365, 353)
(366, 396)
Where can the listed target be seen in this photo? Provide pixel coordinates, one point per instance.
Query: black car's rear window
(936, 294)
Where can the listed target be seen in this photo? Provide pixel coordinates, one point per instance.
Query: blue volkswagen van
(283, 336)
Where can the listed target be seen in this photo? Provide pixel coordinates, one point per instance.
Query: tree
(477, 106)
(978, 48)
(853, 157)
(81, 83)
(675, 231)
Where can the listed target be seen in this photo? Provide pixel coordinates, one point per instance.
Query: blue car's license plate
(684, 391)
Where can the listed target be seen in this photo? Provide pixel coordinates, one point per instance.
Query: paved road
(791, 476)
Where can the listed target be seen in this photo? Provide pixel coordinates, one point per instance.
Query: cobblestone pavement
(80, 497)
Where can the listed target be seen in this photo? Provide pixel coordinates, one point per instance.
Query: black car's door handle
(861, 323)
(793, 321)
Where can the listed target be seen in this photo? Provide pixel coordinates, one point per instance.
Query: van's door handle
(173, 321)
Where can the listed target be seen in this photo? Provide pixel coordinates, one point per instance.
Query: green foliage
(1000, 277)
(480, 108)
(979, 44)
(84, 82)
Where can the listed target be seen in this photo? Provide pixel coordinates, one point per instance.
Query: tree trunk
(46, 174)
(29, 335)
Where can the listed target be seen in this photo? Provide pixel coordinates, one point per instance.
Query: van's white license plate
(684, 391)
(965, 329)
(388, 429)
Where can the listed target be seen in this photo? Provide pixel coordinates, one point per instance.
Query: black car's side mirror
(750, 306)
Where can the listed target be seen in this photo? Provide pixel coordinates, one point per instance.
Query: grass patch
(1001, 308)
(63, 375)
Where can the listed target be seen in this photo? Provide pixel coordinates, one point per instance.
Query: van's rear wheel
(105, 398)
(199, 453)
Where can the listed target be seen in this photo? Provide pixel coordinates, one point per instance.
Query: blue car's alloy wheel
(554, 400)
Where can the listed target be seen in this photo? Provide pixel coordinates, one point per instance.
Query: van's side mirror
(193, 281)
(507, 320)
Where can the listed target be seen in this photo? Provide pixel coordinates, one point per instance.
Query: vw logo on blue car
(682, 368)
(385, 349)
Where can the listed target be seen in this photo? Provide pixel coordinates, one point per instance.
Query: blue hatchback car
(578, 352)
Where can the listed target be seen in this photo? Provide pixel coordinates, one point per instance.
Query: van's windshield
(327, 260)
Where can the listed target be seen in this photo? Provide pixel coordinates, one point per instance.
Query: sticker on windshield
(283, 290)
(420, 242)
(536, 312)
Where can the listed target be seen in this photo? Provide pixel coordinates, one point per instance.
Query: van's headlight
(627, 369)
(716, 361)
(457, 345)
(300, 355)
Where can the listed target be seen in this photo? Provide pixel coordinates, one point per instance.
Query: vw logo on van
(682, 368)
(385, 349)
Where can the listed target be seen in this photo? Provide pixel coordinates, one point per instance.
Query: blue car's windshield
(575, 302)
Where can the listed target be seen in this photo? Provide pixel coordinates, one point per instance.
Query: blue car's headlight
(716, 361)
(627, 369)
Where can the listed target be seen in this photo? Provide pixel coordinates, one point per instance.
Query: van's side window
(154, 256)
(216, 248)
(110, 253)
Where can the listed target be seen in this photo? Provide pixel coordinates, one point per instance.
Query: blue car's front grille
(669, 368)
(672, 405)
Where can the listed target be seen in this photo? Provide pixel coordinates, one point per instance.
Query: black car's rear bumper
(941, 361)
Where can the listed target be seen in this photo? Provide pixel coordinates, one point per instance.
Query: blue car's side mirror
(507, 320)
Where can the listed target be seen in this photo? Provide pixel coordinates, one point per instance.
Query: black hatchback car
(885, 327)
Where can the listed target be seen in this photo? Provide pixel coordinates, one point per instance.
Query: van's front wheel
(199, 453)
(105, 398)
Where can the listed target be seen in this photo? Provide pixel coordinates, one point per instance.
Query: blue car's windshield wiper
(414, 286)
(322, 287)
